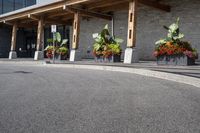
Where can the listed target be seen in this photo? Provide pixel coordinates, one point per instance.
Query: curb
(144, 72)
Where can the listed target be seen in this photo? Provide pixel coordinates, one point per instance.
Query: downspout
(113, 26)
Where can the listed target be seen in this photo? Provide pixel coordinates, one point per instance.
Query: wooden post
(132, 20)
(76, 30)
(14, 36)
(39, 53)
(40, 32)
(131, 55)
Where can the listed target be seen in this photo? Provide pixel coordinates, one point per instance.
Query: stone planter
(179, 60)
(98, 58)
(112, 59)
(61, 57)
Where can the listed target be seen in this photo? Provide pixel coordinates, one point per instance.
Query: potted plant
(59, 49)
(49, 51)
(62, 51)
(106, 48)
(172, 50)
(116, 52)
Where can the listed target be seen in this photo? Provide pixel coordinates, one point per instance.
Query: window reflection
(11, 5)
(19, 4)
(30, 2)
(8, 5)
(1, 7)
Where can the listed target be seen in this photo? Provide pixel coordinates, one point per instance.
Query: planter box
(179, 60)
(113, 58)
(98, 58)
(61, 57)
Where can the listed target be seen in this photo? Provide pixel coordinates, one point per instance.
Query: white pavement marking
(149, 73)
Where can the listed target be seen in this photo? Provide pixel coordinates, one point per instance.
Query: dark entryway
(31, 46)
(26, 44)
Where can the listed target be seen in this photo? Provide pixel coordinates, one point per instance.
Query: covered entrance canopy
(68, 12)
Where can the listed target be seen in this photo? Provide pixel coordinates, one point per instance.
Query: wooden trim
(14, 36)
(74, 2)
(132, 21)
(8, 23)
(31, 16)
(156, 5)
(89, 13)
(88, 4)
(76, 31)
(40, 34)
(38, 10)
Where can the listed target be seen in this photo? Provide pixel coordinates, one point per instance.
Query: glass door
(31, 46)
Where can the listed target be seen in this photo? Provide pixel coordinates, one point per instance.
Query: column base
(12, 55)
(75, 55)
(39, 55)
(131, 56)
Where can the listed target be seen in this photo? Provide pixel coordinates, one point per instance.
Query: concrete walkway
(191, 71)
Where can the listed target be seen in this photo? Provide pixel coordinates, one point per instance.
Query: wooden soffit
(62, 11)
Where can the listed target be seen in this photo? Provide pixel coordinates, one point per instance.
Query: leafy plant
(60, 45)
(49, 48)
(173, 35)
(115, 48)
(62, 50)
(105, 44)
(172, 44)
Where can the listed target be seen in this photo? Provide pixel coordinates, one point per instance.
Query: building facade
(149, 29)
(26, 37)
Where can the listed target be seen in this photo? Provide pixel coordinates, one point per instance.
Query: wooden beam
(156, 4)
(34, 11)
(105, 3)
(40, 34)
(76, 30)
(89, 13)
(8, 23)
(132, 20)
(113, 7)
(31, 16)
(14, 36)
(74, 2)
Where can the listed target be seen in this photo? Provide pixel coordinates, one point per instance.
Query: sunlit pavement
(64, 100)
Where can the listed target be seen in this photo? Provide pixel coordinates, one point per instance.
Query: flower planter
(113, 58)
(61, 57)
(179, 60)
(99, 58)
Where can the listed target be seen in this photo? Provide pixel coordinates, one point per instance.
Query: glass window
(19, 4)
(8, 5)
(30, 2)
(1, 7)
(11, 5)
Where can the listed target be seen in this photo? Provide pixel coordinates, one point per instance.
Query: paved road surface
(58, 100)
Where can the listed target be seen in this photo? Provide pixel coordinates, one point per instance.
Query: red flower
(156, 53)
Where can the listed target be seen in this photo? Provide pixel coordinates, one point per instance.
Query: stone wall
(149, 26)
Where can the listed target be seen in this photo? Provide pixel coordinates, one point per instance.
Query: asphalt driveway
(37, 99)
